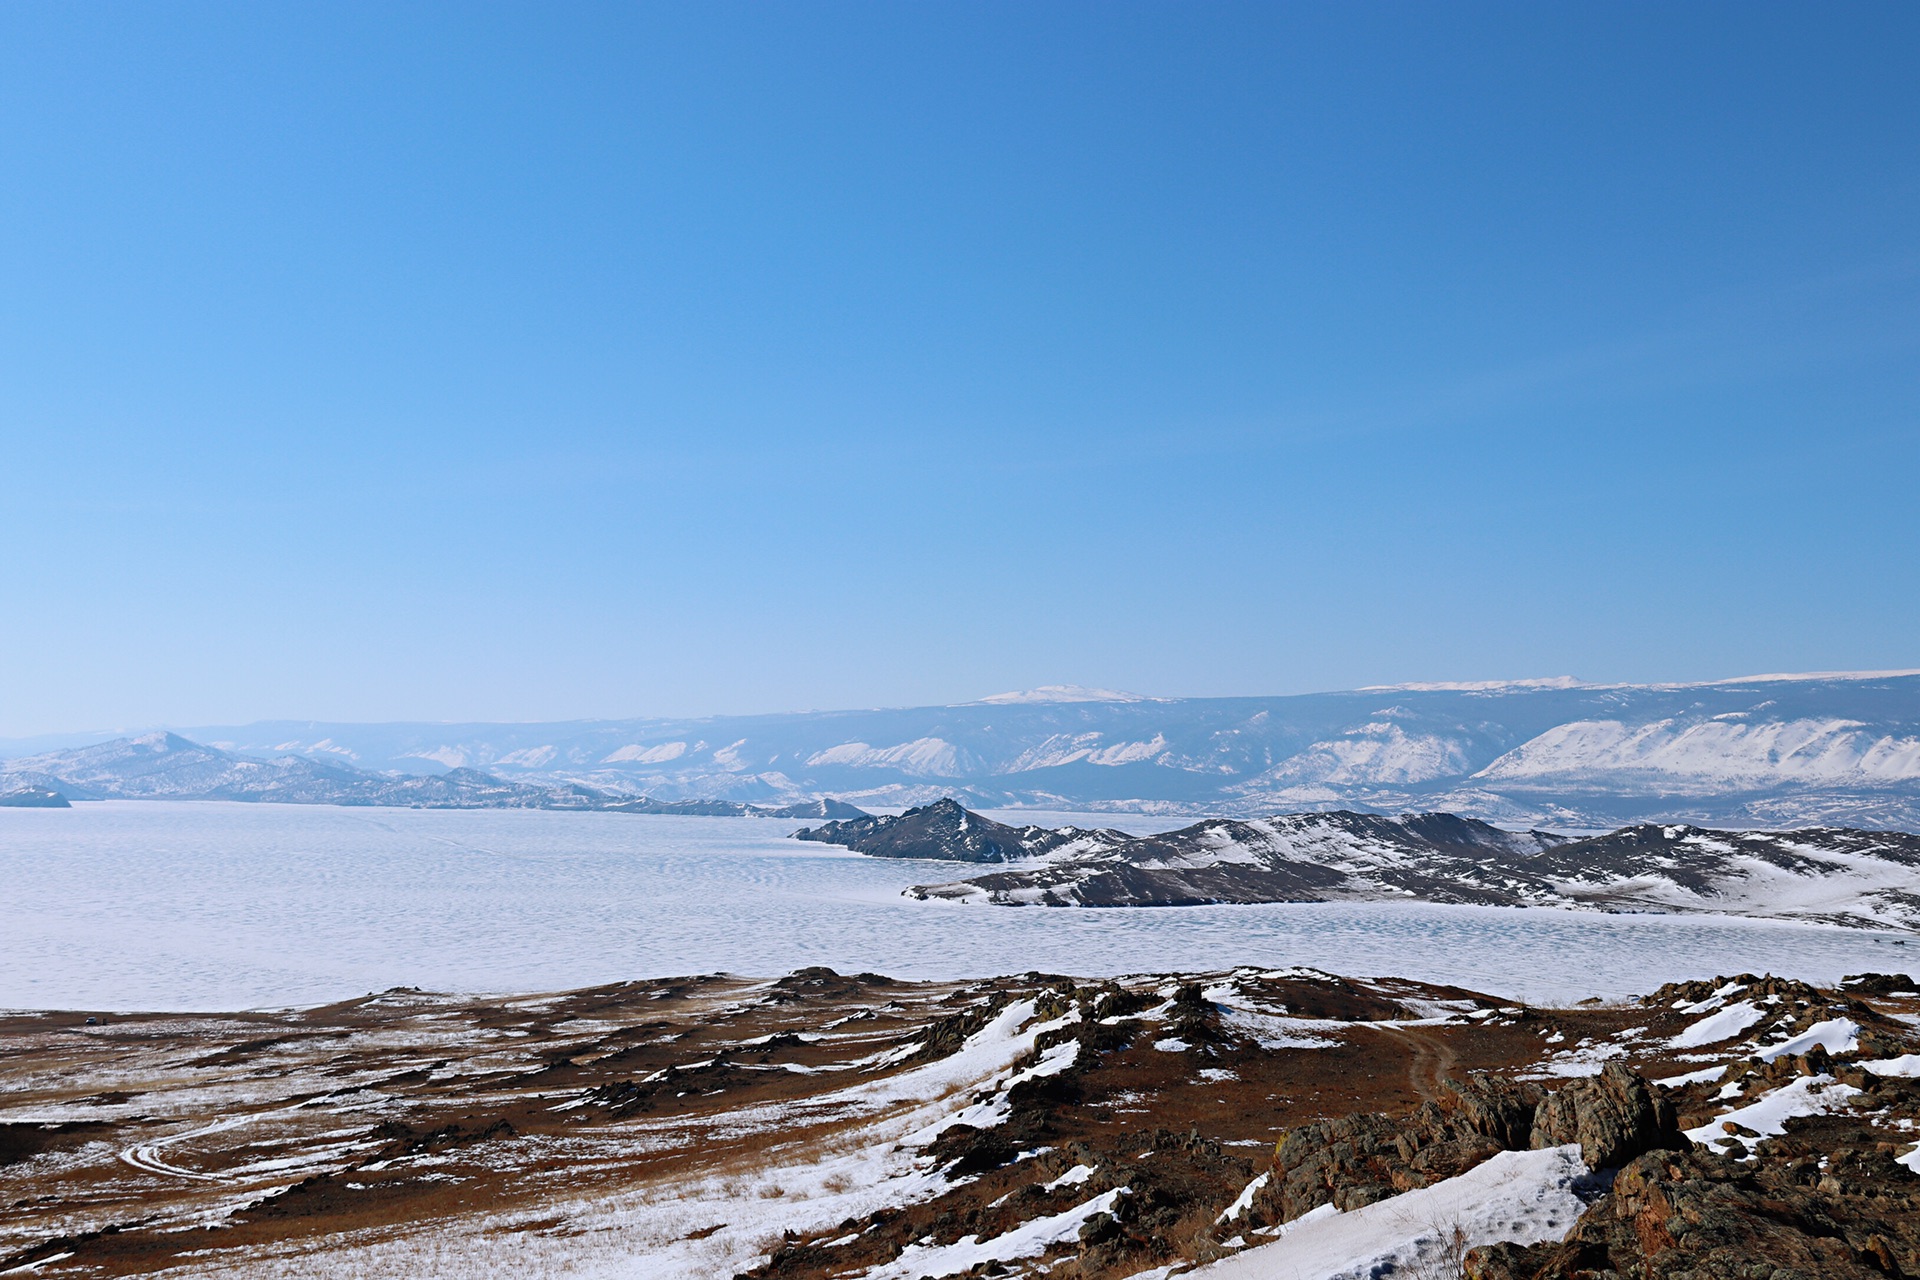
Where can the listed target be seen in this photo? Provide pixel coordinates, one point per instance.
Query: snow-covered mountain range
(1828, 875)
(1762, 751)
(166, 766)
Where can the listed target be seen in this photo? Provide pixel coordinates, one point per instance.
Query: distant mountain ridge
(166, 766)
(1832, 876)
(1761, 751)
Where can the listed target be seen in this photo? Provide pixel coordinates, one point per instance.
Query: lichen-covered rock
(1496, 1107)
(1357, 1160)
(1614, 1116)
(1353, 1161)
(1816, 1203)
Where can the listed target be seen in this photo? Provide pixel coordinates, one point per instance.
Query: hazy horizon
(1008, 696)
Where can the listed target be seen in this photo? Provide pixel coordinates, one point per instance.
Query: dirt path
(1433, 1060)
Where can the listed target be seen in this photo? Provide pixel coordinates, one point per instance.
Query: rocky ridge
(1823, 1191)
(944, 831)
(1834, 876)
(32, 797)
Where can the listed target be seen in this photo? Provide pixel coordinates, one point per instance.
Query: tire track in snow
(146, 1156)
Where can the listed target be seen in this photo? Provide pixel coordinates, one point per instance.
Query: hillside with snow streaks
(1226, 1124)
(1720, 752)
(1773, 751)
(1830, 876)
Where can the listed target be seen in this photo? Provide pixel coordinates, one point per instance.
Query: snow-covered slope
(1829, 875)
(165, 765)
(1727, 751)
(1773, 751)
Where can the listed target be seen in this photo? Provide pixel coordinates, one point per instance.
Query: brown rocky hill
(1243, 1122)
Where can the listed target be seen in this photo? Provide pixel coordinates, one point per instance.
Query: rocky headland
(1824, 875)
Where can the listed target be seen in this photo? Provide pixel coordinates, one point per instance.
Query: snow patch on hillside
(1478, 686)
(1028, 1240)
(1378, 752)
(1767, 1117)
(1061, 693)
(452, 757)
(1836, 1035)
(528, 757)
(637, 754)
(1724, 1025)
(1062, 749)
(923, 757)
(1522, 1196)
(1721, 751)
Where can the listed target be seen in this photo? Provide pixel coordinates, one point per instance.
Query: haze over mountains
(1766, 751)
(166, 766)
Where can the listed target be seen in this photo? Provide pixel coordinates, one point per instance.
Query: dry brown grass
(1446, 1259)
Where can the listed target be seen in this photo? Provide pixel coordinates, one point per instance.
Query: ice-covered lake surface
(154, 905)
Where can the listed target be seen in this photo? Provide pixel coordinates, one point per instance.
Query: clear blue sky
(546, 360)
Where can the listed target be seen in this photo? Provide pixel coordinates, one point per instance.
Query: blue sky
(525, 361)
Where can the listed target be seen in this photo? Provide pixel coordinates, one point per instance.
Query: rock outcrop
(1694, 1215)
(33, 798)
(1829, 1198)
(946, 831)
(1360, 1159)
(1614, 1116)
(1861, 878)
(1498, 1108)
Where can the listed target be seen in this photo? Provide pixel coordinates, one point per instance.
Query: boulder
(1614, 1116)
(1704, 1217)
(1496, 1107)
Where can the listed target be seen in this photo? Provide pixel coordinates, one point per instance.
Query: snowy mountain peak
(1787, 677)
(1478, 686)
(1060, 693)
(160, 741)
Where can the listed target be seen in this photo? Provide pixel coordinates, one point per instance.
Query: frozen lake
(153, 905)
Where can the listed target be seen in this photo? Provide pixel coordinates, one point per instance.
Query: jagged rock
(1751, 987)
(1497, 1107)
(1879, 984)
(1614, 1116)
(1164, 1200)
(1353, 1161)
(1356, 1160)
(1693, 1215)
(1193, 1019)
